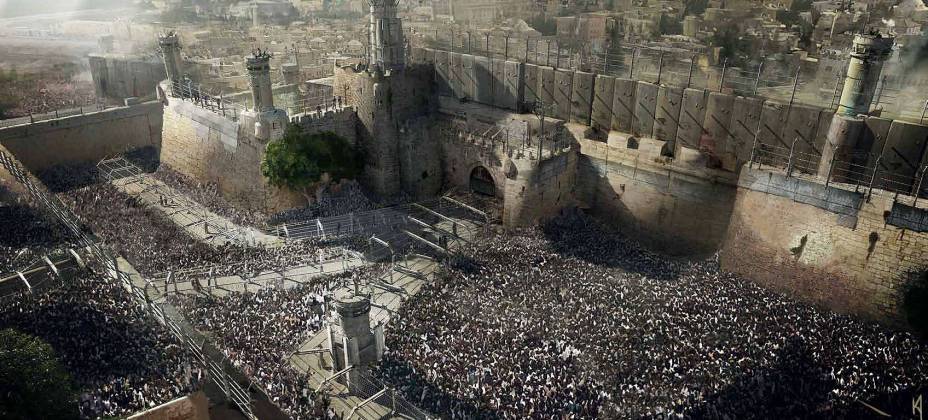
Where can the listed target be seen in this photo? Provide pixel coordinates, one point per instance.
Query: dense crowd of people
(42, 93)
(259, 331)
(26, 234)
(120, 359)
(209, 196)
(157, 244)
(572, 321)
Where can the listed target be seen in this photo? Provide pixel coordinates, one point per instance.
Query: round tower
(386, 36)
(863, 72)
(259, 74)
(170, 48)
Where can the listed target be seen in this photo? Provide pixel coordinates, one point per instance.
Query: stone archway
(481, 181)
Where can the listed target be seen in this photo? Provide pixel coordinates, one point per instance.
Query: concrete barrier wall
(86, 138)
(667, 114)
(692, 116)
(623, 105)
(547, 86)
(563, 89)
(581, 98)
(903, 155)
(468, 76)
(745, 114)
(645, 106)
(443, 72)
(514, 87)
(717, 124)
(532, 79)
(457, 76)
(603, 94)
(483, 74)
(723, 127)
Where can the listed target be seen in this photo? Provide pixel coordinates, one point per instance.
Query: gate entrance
(481, 182)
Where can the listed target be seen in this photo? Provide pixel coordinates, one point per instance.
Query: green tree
(299, 161)
(33, 384)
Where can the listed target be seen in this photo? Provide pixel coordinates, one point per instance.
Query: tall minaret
(269, 122)
(259, 73)
(386, 36)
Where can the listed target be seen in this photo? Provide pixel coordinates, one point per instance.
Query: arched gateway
(481, 182)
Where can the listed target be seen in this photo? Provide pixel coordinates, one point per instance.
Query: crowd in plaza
(573, 321)
(260, 331)
(209, 196)
(26, 235)
(157, 245)
(45, 93)
(121, 360)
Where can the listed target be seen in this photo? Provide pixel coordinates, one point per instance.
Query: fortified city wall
(86, 138)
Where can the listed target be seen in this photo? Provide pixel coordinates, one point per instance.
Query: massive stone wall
(116, 76)
(86, 138)
(216, 150)
(822, 245)
(668, 205)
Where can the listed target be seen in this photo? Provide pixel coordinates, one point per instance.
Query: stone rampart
(858, 264)
(86, 138)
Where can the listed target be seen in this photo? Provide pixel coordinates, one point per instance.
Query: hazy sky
(13, 8)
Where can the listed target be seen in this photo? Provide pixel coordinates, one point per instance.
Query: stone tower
(386, 36)
(270, 122)
(863, 72)
(170, 48)
(259, 74)
(352, 342)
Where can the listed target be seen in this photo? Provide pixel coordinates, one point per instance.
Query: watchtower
(170, 48)
(386, 36)
(863, 72)
(352, 342)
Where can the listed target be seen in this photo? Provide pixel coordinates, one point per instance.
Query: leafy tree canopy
(299, 160)
(33, 384)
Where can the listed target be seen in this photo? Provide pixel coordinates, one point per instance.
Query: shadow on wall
(915, 301)
(670, 213)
